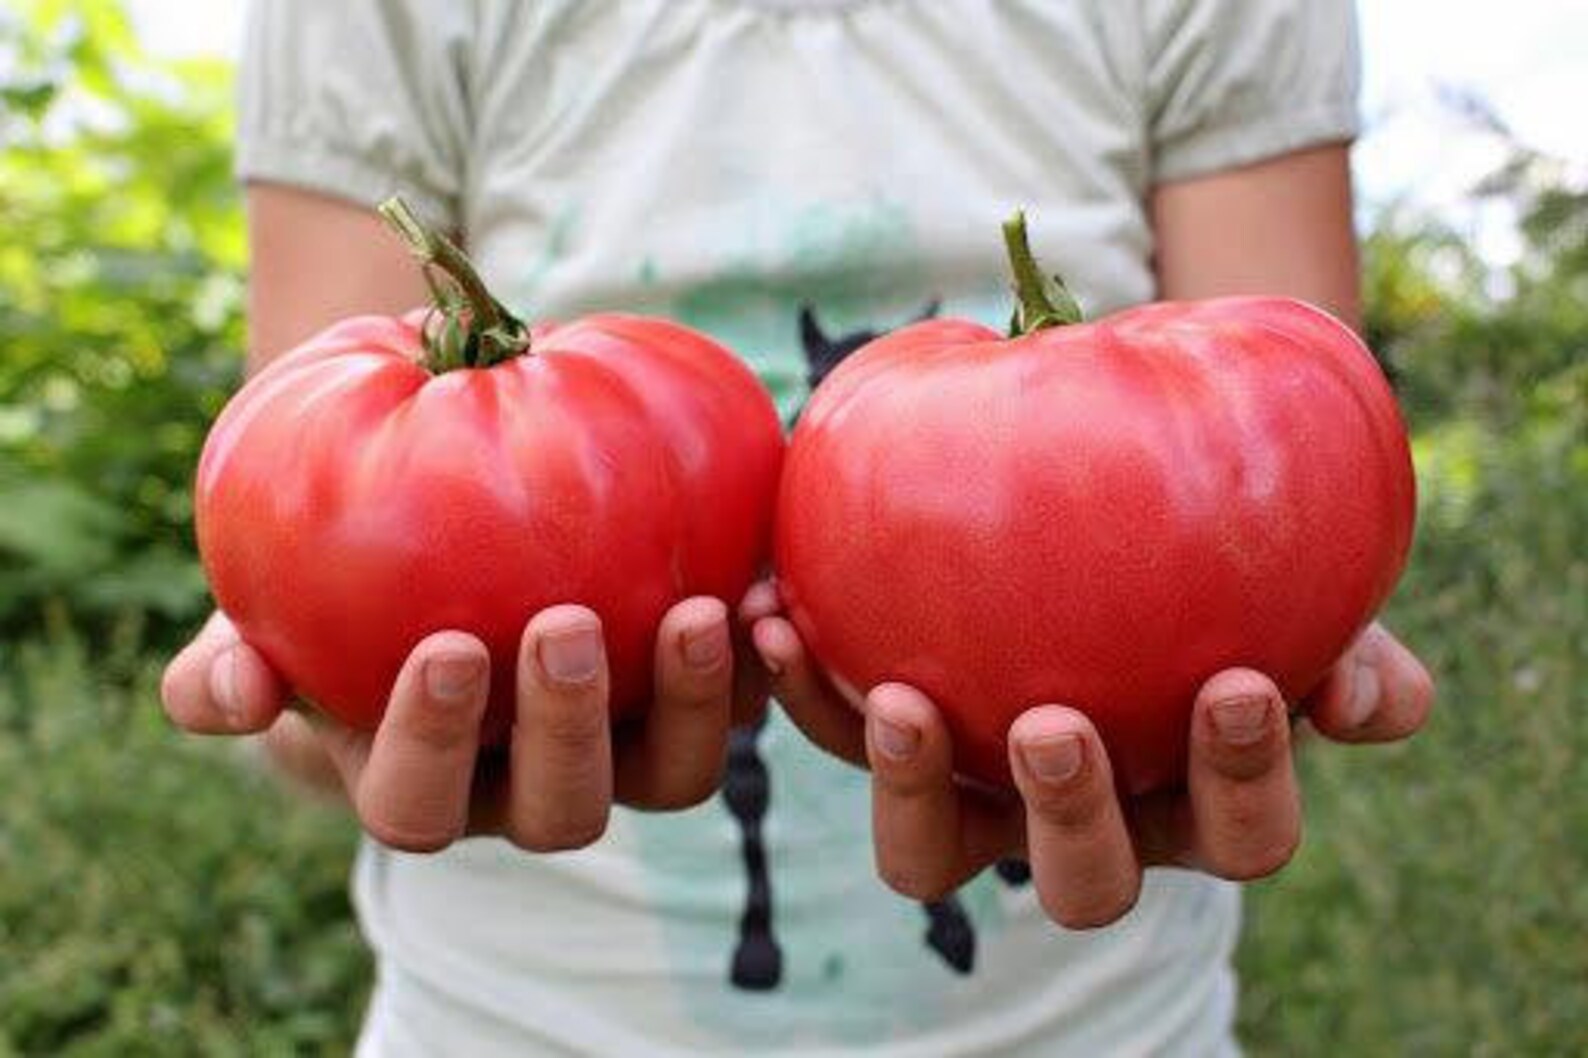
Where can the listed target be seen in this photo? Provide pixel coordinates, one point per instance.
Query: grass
(1439, 904)
(156, 898)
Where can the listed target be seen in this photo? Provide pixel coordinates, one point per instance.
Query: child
(784, 175)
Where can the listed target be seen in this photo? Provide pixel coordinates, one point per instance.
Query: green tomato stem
(475, 330)
(1041, 301)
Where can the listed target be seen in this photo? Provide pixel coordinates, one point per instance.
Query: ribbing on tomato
(1098, 515)
(389, 479)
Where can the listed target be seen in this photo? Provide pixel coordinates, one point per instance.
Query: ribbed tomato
(1100, 515)
(384, 481)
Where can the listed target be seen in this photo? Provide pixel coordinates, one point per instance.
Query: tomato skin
(349, 502)
(1101, 515)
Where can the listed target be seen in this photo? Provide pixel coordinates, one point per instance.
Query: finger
(751, 682)
(1082, 860)
(1379, 692)
(817, 710)
(678, 759)
(412, 789)
(219, 685)
(915, 804)
(561, 753)
(1242, 778)
(760, 600)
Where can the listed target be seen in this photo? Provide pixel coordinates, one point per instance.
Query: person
(786, 175)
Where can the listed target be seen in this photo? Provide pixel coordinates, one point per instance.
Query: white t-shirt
(726, 163)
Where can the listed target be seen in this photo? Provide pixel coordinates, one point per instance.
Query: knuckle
(685, 791)
(1239, 813)
(1266, 858)
(1072, 809)
(438, 730)
(1260, 859)
(902, 782)
(578, 737)
(185, 704)
(562, 834)
(171, 686)
(926, 776)
(915, 880)
(1086, 911)
(1419, 702)
(403, 837)
(572, 732)
(1247, 764)
(706, 693)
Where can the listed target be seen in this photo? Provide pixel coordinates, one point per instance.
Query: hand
(420, 781)
(1239, 816)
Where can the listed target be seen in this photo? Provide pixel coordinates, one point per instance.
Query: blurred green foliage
(120, 312)
(1438, 904)
(159, 896)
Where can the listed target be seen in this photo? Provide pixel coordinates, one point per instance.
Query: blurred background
(158, 895)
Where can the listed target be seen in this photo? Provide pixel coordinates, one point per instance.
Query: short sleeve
(358, 99)
(1231, 82)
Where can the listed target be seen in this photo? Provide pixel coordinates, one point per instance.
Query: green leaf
(58, 526)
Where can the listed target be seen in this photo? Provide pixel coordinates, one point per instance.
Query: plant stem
(1041, 301)
(478, 323)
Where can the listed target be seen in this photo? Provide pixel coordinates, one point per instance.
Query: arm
(314, 260)
(1281, 226)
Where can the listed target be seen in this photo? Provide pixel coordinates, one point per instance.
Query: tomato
(386, 480)
(1100, 515)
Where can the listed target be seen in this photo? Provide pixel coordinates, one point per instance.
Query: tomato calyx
(1041, 300)
(467, 326)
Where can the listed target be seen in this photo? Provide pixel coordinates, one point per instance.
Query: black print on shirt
(822, 353)
(757, 963)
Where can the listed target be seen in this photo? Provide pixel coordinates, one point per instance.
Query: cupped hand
(1238, 816)
(420, 781)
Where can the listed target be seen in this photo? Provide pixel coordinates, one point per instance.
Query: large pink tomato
(1100, 515)
(384, 481)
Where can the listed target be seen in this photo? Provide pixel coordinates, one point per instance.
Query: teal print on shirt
(559, 235)
(857, 262)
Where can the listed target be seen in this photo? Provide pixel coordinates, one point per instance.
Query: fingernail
(704, 648)
(223, 684)
(1242, 721)
(896, 741)
(571, 657)
(1055, 759)
(452, 679)
(1359, 704)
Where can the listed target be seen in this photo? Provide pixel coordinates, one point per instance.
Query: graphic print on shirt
(809, 924)
(859, 261)
(823, 353)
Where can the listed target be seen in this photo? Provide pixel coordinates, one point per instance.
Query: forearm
(314, 260)
(1282, 226)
